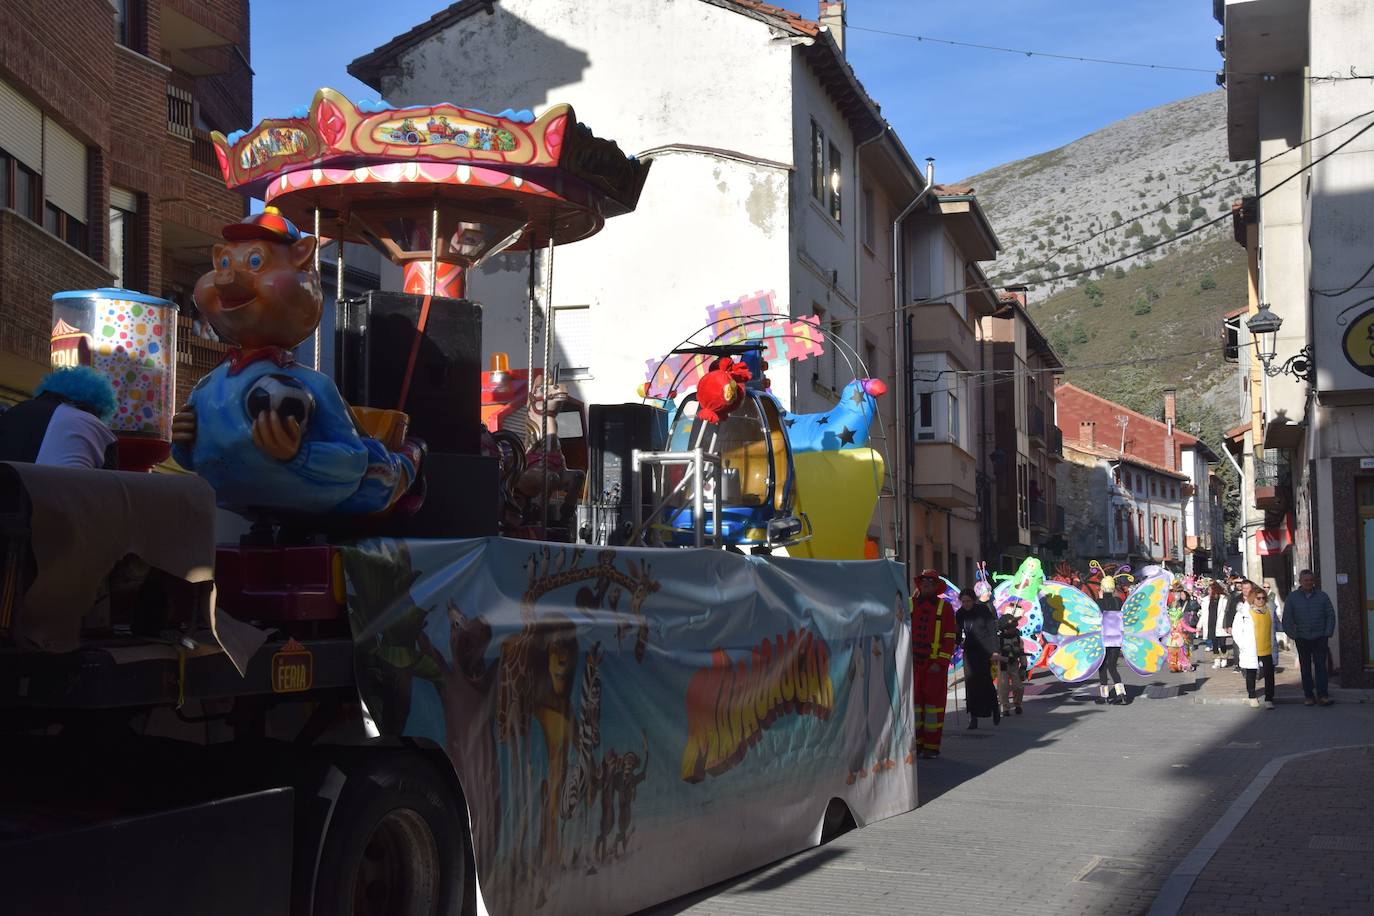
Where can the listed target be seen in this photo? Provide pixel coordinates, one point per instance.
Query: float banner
(629, 725)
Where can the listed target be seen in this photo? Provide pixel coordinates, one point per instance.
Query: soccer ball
(285, 395)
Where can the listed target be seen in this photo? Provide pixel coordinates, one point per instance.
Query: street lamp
(1264, 330)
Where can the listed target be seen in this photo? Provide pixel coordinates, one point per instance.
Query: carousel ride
(438, 190)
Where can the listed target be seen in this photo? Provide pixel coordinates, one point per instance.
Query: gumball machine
(131, 338)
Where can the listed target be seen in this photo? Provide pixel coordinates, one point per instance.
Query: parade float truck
(424, 634)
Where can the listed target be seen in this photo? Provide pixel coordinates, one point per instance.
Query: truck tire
(397, 843)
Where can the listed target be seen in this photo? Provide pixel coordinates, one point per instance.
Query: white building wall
(708, 228)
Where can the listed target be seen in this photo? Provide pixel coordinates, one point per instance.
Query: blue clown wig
(82, 386)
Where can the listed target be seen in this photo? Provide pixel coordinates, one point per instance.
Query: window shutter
(64, 171)
(21, 128)
(122, 199)
(572, 331)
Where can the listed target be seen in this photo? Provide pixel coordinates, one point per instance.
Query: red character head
(721, 390)
(263, 289)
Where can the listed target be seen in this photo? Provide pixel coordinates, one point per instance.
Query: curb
(1174, 893)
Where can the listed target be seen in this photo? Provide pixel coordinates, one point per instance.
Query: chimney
(1087, 432)
(1170, 447)
(832, 17)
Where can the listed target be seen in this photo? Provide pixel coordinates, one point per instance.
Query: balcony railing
(1037, 513)
(196, 355)
(203, 158)
(180, 112)
(1037, 423)
(1272, 472)
(1056, 441)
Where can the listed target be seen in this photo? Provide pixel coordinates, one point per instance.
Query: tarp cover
(84, 522)
(629, 725)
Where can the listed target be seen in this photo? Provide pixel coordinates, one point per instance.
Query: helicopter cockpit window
(743, 448)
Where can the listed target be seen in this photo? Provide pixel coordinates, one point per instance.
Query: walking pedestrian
(978, 633)
(1011, 671)
(1110, 689)
(1213, 621)
(933, 635)
(1257, 641)
(1310, 620)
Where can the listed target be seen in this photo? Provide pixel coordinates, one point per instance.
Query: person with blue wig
(65, 423)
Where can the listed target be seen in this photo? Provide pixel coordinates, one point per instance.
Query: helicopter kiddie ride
(414, 694)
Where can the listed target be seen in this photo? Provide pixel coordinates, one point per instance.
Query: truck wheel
(397, 843)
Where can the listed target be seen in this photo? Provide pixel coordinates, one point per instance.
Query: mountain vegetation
(1124, 206)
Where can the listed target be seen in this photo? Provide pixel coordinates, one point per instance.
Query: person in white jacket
(1256, 634)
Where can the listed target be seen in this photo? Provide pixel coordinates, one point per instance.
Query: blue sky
(970, 109)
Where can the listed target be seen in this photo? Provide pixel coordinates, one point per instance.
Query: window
(1140, 524)
(128, 24)
(925, 415)
(1120, 534)
(871, 360)
(21, 153)
(122, 215)
(572, 335)
(834, 186)
(836, 330)
(869, 218)
(1154, 487)
(817, 163)
(954, 430)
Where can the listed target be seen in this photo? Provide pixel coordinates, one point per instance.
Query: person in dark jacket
(1310, 620)
(65, 423)
(978, 631)
(1214, 622)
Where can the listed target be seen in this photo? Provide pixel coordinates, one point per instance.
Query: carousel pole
(529, 335)
(338, 284)
(433, 250)
(316, 339)
(544, 378)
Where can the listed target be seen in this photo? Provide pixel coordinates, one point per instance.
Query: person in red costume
(933, 635)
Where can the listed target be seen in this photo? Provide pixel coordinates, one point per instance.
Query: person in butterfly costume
(1091, 636)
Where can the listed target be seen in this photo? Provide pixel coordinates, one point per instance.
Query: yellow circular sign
(1358, 343)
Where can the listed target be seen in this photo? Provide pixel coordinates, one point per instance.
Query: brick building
(1020, 448)
(107, 174)
(1151, 492)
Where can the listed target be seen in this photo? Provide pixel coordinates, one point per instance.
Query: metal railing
(1037, 513)
(1037, 422)
(180, 112)
(203, 158)
(1273, 472)
(1056, 441)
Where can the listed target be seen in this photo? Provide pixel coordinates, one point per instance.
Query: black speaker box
(616, 430)
(375, 338)
(462, 499)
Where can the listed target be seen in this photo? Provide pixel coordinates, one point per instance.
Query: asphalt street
(1073, 808)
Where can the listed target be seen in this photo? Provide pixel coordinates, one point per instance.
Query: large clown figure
(274, 438)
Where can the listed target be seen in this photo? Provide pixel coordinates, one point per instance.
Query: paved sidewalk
(1305, 846)
(1226, 686)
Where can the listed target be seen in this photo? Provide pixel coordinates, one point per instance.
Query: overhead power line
(1084, 59)
(1085, 271)
(1070, 246)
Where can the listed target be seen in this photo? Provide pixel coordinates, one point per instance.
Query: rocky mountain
(1153, 320)
(1048, 202)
